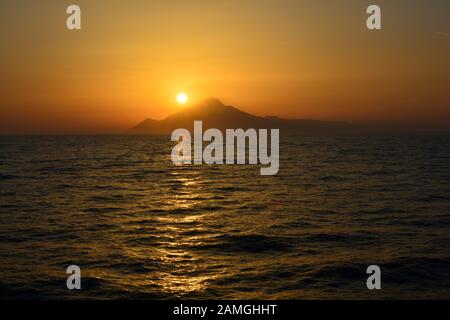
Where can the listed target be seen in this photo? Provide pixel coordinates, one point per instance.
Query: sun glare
(182, 98)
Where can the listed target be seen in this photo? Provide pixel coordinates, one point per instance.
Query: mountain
(215, 114)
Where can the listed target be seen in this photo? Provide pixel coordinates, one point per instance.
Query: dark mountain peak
(207, 109)
(207, 106)
(214, 114)
(210, 103)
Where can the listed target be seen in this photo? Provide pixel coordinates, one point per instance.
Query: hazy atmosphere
(293, 59)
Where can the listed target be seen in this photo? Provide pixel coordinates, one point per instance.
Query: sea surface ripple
(142, 228)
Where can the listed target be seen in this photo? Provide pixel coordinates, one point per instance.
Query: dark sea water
(141, 228)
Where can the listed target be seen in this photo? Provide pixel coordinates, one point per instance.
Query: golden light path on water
(182, 268)
(175, 253)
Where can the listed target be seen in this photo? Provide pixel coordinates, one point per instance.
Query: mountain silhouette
(214, 114)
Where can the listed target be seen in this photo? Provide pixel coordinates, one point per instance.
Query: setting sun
(182, 98)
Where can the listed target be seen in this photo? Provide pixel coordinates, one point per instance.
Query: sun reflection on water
(187, 268)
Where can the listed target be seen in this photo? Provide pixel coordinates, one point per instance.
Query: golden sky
(289, 58)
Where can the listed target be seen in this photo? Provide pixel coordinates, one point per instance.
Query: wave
(248, 243)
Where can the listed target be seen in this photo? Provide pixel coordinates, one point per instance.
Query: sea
(140, 227)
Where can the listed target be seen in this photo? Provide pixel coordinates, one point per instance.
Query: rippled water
(140, 227)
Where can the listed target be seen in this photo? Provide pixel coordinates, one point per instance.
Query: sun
(182, 98)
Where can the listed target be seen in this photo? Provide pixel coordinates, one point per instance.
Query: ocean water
(142, 228)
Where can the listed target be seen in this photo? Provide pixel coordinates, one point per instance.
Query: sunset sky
(289, 58)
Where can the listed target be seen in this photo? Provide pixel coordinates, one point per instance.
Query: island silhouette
(214, 114)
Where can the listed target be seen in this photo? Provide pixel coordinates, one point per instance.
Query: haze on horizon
(287, 58)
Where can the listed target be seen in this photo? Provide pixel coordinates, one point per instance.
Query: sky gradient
(295, 59)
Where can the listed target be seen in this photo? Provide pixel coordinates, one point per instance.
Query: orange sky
(313, 59)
